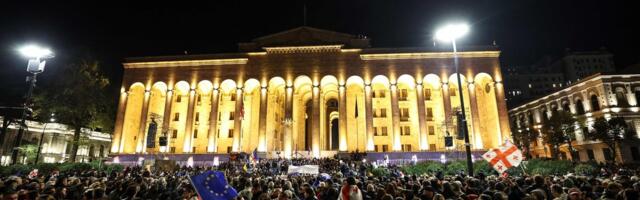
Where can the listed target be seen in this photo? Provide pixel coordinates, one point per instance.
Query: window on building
(403, 95)
(405, 130)
(230, 133)
(195, 133)
(385, 148)
(590, 154)
(375, 131)
(383, 112)
(176, 117)
(199, 100)
(179, 98)
(232, 115)
(229, 149)
(384, 131)
(429, 114)
(404, 114)
(174, 134)
(427, 94)
(432, 130)
(635, 154)
(197, 116)
(233, 97)
(621, 97)
(579, 107)
(607, 153)
(432, 146)
(172, 149)
(193, 149)
(406, 147)
(375, 148)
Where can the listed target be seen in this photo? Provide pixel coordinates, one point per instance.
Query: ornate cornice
(428, 55)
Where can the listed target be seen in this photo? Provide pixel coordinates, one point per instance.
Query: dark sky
(525, 30)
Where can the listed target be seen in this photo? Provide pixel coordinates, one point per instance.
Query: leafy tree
(523, 138)
(29, 151)
(78, 97)
(560, 128)
(611, 132)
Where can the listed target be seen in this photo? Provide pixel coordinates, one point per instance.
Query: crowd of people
(338, 179)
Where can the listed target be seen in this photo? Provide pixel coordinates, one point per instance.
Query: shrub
(585, 169)
(379, 172)
(456, 167)
(427, 167)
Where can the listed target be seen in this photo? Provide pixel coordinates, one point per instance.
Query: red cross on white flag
(504, 157)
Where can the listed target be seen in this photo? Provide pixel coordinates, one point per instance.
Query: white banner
(304, 169)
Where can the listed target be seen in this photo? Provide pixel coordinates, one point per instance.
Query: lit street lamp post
(37, 56)
(450, 33)
(51, 120)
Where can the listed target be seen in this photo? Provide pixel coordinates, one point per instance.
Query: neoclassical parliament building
(310, 90)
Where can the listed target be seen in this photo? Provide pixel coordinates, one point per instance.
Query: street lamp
(51, 120)
(450, 33)
(36, 56)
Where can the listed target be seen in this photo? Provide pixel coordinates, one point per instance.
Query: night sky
(524, 30)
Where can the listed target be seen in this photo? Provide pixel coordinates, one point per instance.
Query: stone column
(342, 121)
(422, 119)
(117, 131)
(572, 105)
(315, 121)
(475, 117)
(446, 101)
(213, 122)
(288, 115)
(237, 122)
(262, 138)
(166, 118)
(188, 131)
(631, 97)
(503, 114)
(395, 114)
(141, 138)
(368, 117)
(586, 102)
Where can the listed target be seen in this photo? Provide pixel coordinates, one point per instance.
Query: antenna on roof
(304, 13)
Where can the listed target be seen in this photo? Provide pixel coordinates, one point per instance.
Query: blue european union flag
(213, 185)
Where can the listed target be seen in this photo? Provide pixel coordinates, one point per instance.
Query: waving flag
(503, 158)
(212, 185)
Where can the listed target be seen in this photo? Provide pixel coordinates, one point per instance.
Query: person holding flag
(504, 157)
(212, 185)
(254, 156)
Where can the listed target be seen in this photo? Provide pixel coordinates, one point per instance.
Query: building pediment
(305, 36)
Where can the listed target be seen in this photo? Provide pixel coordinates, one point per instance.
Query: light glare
(34, 51)
(451, 32)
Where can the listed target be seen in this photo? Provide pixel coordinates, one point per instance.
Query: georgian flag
(504, 157)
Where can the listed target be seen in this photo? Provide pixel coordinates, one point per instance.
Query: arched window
(595, 105)
(621, 97)
(579, 107)
(565, 106)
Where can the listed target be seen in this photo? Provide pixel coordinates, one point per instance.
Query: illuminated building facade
(309, 90)
(600, 95)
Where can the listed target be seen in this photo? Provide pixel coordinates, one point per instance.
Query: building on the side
(56, 143)
(599, 95)
(577, 65)
(527, 82)
(309, 90)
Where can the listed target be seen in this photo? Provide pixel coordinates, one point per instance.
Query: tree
(560, 128)
(29, 151)
(78, 97)
(611, 132)
(523, 138)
